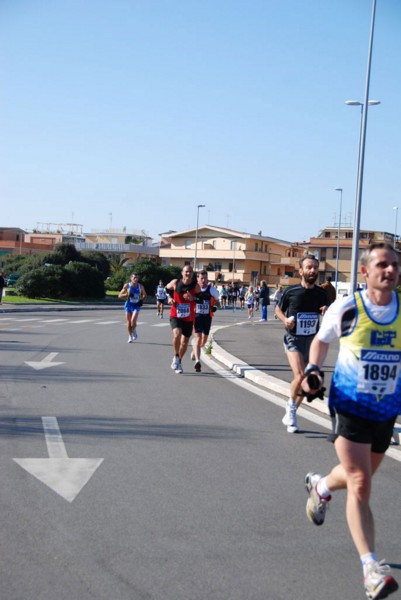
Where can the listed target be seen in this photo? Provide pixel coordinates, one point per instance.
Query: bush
(76, 280)
(45, 282)
(84, 281)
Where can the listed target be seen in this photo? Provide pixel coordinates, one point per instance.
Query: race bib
(203, 309)
(307, 323)
(134, 299)
(183, 310)
(378, 371)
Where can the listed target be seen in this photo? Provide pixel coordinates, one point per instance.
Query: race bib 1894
(378, 371)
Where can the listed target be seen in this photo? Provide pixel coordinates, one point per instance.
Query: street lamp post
(338, 234)
(196, 234)
(362, 138)
(395, 228)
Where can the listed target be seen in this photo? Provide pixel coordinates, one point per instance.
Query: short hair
(365, 256)
(307, 257)
(203, 272)
(328, 279)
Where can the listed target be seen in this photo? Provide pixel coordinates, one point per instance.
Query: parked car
(11, 279)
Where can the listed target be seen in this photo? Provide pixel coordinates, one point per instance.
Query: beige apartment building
(233, 256)
(328, 245)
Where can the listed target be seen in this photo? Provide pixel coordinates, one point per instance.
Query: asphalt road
(193, 488)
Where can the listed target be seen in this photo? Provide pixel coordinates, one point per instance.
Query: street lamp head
(339, 189)
(357, 103)
(201, 205)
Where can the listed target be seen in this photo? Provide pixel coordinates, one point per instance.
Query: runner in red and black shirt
(182, 294)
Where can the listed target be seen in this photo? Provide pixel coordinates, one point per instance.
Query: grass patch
(24, 300)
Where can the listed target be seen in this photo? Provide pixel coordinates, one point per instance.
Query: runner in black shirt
(299, 309)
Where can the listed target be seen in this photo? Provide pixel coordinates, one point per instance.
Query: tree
(84, 281)
(97, 260)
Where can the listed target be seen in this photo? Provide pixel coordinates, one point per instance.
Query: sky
(131, 113)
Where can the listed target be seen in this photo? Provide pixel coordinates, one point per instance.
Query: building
(133, 245)
(230, 255)
(327, 246)
(12, 242)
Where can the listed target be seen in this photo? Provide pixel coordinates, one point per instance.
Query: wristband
(311, 368)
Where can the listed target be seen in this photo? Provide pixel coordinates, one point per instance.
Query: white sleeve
(330, 328)
(214, 292)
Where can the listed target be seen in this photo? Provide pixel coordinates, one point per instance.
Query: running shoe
(179, 368)
(175, 362)
(198, 366)
(192, 355)
(316, 506)
(290, 418)
(130, 340)
(134, 335)
(378, 581)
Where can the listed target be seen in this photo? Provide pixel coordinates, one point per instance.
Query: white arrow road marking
(44, 363)
(65, 476)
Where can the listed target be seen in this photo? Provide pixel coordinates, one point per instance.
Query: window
(334, 252)
(217, 266)
(327, 234)
(187, 244)
(256, 246)
(233, 244)
(230, 267)
(348, 235)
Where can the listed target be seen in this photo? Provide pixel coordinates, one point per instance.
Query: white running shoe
(134, 335)
(175, 363)
(179, 368)
(290, 418)
(378, 581)
(316, 506)
(130, 340)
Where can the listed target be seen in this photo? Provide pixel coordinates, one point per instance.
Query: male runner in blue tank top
(135, 294)
(365, 394)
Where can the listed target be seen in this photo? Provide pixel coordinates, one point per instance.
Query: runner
(135, 294)
(161, 296)
(207, 300)
(299, 310)
(365, 394)
(241, 296)
(223, 297)
(182, 294)
(250, 300)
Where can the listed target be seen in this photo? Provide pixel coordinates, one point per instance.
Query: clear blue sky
(131, 112)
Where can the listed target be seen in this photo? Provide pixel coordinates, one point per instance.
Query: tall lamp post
(362, 139)
(196, 234)
(395, 228)
(338, 234)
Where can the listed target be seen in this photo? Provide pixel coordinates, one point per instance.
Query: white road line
(107, 322)
(82, 321)
(161, 325)
(53, 320)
